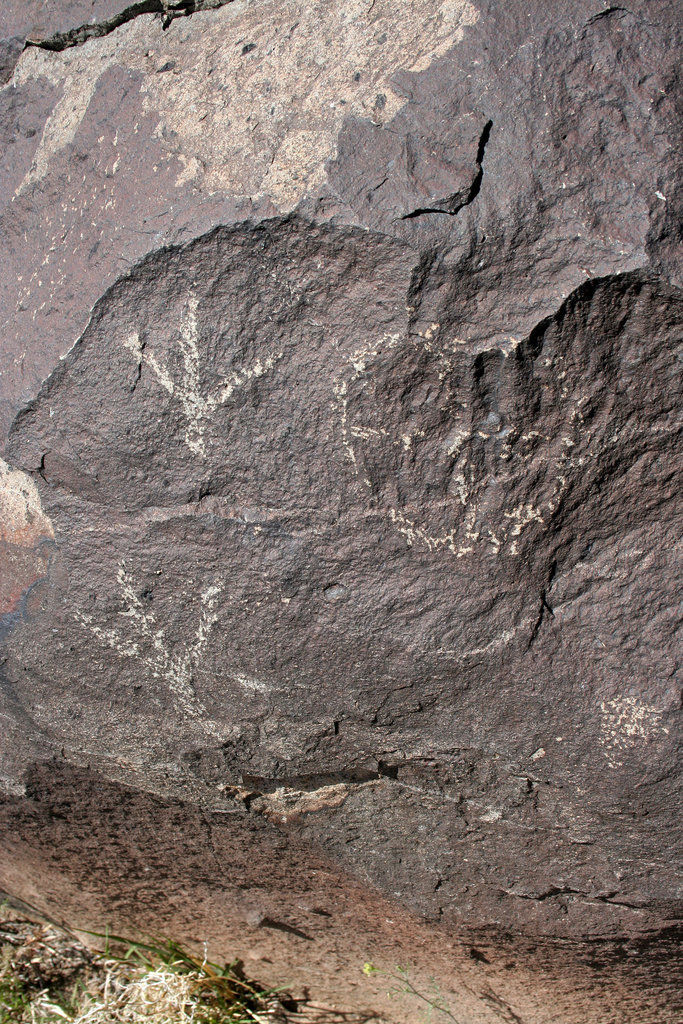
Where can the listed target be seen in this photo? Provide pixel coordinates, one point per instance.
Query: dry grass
(48, 976)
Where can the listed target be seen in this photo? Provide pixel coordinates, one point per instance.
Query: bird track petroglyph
(148, 643)
(186, 388)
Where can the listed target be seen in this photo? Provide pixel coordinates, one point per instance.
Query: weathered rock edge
(317, 511)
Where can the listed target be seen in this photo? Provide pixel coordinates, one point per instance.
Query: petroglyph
(625, 722)
(187, 387)
(467, 529)
(147, 642)
(413, 532)
(340, 389)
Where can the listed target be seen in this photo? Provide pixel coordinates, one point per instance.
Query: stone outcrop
(340, 382)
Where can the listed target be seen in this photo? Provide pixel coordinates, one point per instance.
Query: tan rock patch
(257, 92)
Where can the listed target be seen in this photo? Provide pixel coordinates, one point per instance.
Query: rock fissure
(555, 891)
(307, 793)
(544, 608)
(168, 10)
(474, 189)
(608, 13)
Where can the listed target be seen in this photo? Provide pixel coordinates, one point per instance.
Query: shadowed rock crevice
(169, 10)
(455, 203)
(561, 891)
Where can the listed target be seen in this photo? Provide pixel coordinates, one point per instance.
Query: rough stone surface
(34, 21)
(340, 377)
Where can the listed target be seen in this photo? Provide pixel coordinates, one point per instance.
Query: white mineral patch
(625, 722)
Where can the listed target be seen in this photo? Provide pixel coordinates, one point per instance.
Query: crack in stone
(279, 798)
(607, 13)
(545, 607)
(474, 188)
(563, 890)
(168, 9)
(291, 796)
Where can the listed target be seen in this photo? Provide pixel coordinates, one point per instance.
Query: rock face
(341, 386)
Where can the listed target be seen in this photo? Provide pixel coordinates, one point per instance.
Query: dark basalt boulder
(340, 515)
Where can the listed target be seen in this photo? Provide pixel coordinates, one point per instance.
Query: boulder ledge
(340, 407)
